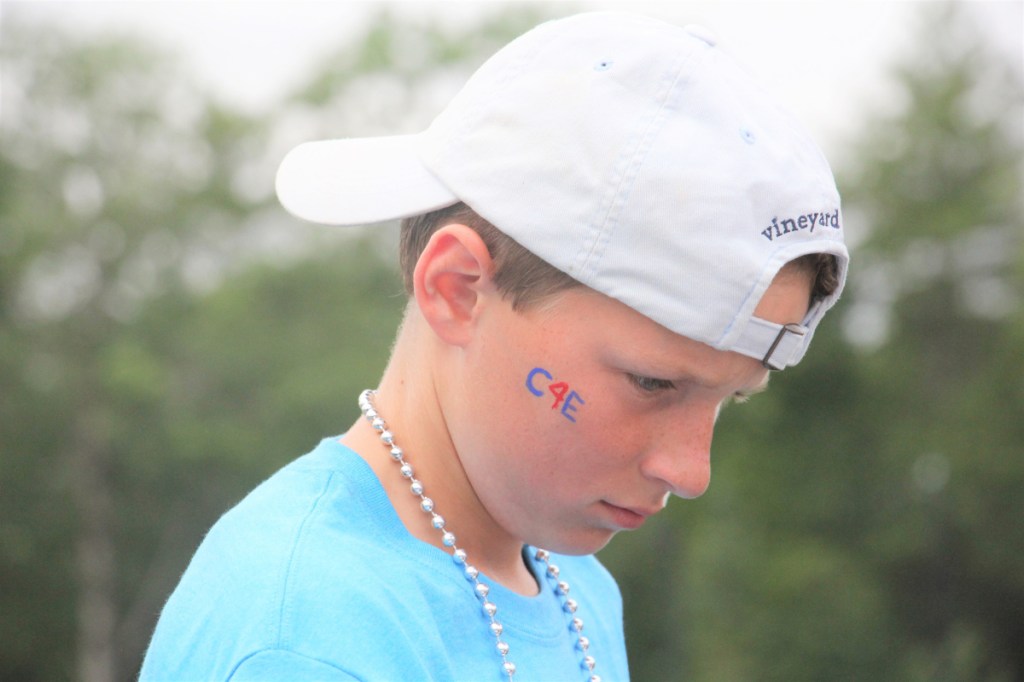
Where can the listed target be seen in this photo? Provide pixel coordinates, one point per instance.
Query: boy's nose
(680, 456)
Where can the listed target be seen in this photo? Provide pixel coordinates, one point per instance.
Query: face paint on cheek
(564, 395)
(558, 389)
(569, 405)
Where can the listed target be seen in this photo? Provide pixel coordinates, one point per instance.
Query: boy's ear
(450, 277)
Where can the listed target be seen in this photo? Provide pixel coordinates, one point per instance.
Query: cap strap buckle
(796, 329)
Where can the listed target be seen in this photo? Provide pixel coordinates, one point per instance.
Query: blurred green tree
(939, 317)
(119, 186)
(864, 522)
(169, 337)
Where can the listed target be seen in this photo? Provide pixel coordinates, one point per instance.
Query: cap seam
(610, 210)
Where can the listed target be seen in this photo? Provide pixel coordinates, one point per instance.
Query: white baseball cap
(632, 154)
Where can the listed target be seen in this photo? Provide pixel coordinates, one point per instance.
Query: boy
(608, 233)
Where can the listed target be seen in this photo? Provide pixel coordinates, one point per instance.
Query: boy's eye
(650, 384)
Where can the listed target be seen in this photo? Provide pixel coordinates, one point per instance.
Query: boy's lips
(629, 518)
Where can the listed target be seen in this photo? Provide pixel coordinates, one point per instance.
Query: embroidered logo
(807, 221)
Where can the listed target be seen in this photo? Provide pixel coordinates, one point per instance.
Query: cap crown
(639, 158)
(632, 154)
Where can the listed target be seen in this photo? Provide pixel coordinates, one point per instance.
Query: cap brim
(359, 181)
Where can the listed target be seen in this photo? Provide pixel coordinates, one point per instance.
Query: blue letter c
(529, 380)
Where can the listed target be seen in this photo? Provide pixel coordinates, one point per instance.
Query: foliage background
(168, 337)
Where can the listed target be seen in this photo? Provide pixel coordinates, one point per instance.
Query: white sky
(826, 57)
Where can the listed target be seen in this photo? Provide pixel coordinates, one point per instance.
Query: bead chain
(569, 605)
(480, 588)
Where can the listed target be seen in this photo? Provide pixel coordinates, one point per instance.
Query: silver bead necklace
(482, 590)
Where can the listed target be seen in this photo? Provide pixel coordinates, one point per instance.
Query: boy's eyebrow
(760, 388)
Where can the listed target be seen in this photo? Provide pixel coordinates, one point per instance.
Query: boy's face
(577, 419)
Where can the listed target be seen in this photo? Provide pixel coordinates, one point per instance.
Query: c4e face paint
(564, 396)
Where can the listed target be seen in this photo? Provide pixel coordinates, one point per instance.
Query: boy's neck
(407, 400)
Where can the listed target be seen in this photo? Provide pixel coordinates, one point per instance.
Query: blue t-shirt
(314, 577)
